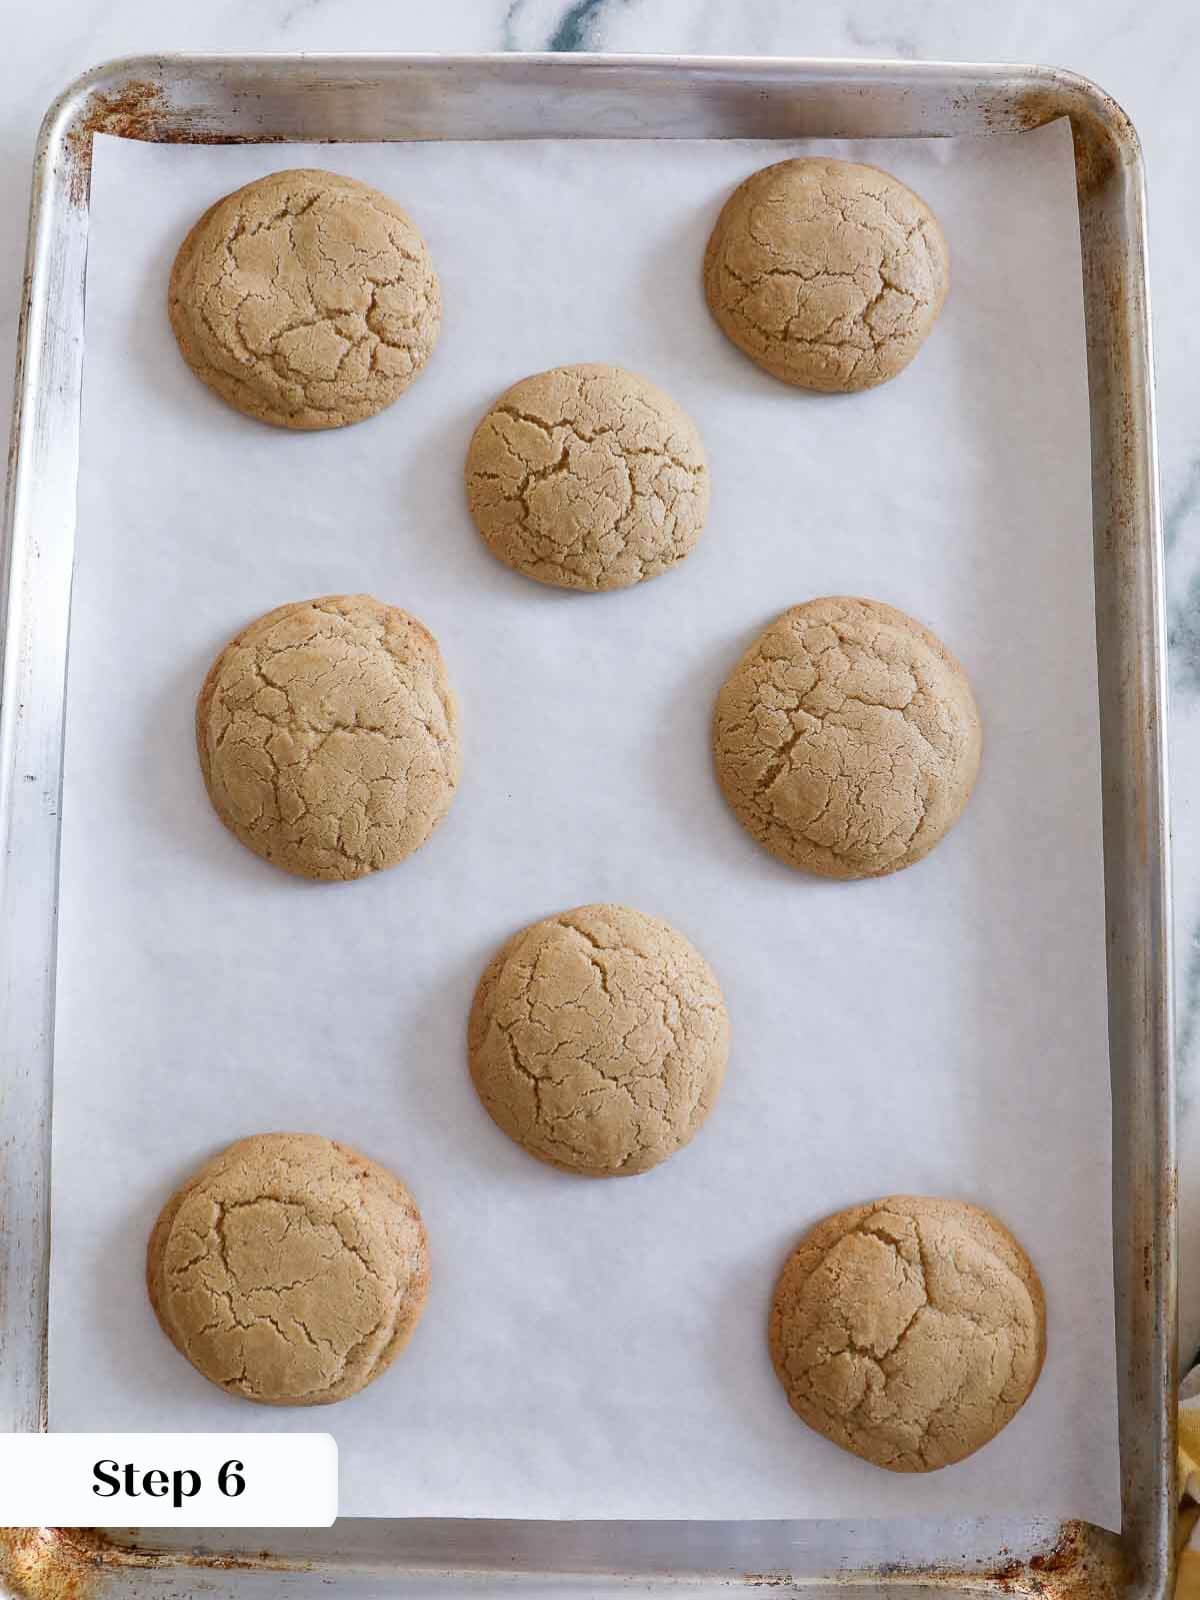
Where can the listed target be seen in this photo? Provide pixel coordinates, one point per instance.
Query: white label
(166, 1480)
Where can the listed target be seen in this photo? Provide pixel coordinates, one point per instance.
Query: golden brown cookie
(587, 477)
(328, 736)
(305, 299)
(290, 1270)
(828, 274)
(847, 739)
(598, 1040)
(909, 1331)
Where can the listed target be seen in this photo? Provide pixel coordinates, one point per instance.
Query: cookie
(328, 736)
(598, 1040)
(909, 1331)
(588, 477)
(828, 274)
(290, 1270)
(847, 739)
(305, 299)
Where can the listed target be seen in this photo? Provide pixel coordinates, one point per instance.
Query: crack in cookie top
(826, 273)
(305, 299)
(328, 736)
(588, 477)
(847, 739)
(290, 1270)
(909, 1331)
(598, 1040)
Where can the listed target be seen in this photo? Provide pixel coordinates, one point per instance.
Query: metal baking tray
(179, 99)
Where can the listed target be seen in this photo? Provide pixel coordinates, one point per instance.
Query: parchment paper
(595, 1349)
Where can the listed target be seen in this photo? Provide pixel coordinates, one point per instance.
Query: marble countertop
(1147, 56)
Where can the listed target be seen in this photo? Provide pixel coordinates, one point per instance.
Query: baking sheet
(595, 1350)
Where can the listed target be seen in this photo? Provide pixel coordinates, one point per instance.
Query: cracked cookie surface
(847, 739)
(909, 1331)
(588, 477)
(290, 1270)
(328, 736)
(828, 274)
(598, 1040)
(305, 299)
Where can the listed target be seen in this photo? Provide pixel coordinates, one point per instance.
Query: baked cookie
(828, 274)
(587, 477)
(846, 739)
(289, 1270)
(328, 736)
(598, 1040)
(305, 299)
(909, 1331)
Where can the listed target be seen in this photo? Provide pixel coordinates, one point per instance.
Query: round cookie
(328, 736)
(828, 274)
(598, 1040)
(290, 1270)
(909, 1331)
(847, 739)
(587, 477)
(305, 299)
